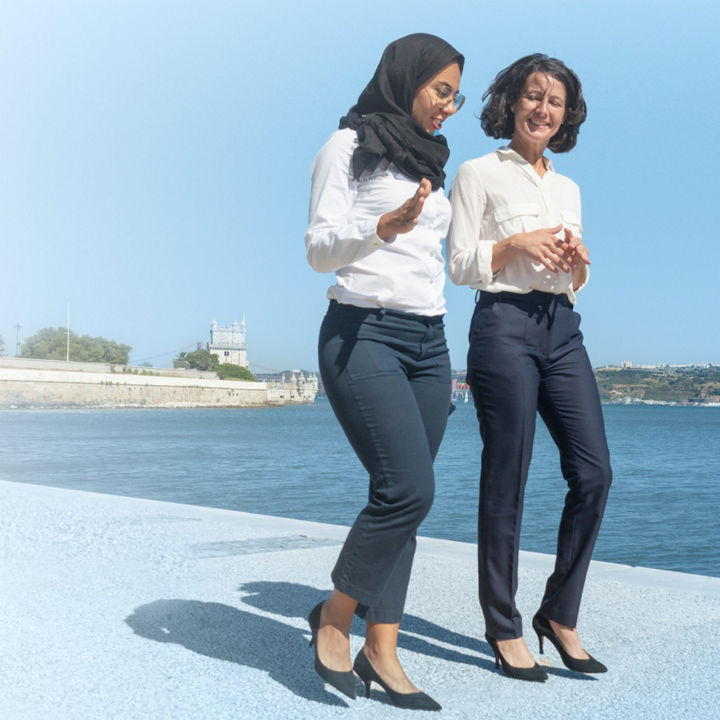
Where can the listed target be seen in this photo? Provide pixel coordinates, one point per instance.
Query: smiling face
(539, 111)
(433, 102)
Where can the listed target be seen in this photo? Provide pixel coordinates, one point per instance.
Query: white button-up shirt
(406, 273)
(499, 195)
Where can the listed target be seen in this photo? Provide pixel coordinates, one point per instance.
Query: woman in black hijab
(378, 215)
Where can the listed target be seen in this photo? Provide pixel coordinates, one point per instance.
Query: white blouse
(499, 195)
(407, 272)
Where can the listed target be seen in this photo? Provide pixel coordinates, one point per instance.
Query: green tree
(2, 345)
(228, 371)
(198, 359)
(51, 344)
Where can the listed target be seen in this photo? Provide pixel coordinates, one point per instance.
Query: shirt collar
(511, 154)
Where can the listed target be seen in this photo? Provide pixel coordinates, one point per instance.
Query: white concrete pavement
(115, 607)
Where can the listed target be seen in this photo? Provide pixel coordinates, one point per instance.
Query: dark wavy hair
(498, 120)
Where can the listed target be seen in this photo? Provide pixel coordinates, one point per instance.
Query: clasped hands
(554, 253)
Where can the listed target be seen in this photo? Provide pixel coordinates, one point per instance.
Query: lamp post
(18, 348)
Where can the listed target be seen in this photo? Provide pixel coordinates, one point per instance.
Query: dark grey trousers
(387, 377)
(526, 356)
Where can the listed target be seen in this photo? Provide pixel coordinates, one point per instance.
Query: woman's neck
(531, 152)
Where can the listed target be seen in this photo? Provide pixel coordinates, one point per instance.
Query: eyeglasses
(446, 96)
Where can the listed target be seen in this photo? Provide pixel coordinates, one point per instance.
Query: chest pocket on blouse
(516, 218)
(572, 222)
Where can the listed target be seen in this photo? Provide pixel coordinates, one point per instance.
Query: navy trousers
(387, 377)
(527, 356)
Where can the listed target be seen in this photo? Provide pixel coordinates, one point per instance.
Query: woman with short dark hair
(516, 239)
(378, 215)
(497, 118)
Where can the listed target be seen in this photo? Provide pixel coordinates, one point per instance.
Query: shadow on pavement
(226, 633)
(294, 600)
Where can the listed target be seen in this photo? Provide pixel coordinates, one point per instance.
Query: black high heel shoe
(408, 701)
(542, 627)
(342, 680)
(533, 674)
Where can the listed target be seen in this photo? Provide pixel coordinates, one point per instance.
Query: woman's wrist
(383, 231)
(503, 251)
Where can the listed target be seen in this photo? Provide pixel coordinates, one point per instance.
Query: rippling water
(663, 509)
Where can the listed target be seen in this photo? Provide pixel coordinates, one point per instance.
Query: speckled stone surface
(115, 607)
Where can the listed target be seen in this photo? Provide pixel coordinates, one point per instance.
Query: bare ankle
(378, 653)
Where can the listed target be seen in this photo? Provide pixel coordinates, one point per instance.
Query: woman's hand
(578, 256)
(575, 252)
(544, 247)
(405, 218)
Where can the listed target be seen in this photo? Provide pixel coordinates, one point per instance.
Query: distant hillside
(662, 384)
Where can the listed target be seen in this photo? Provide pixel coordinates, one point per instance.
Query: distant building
(297, 387)
(229, 343)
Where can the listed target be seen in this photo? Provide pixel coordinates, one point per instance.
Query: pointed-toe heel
(407, 701)
(344, 681)
(542, 628)
(532, 674)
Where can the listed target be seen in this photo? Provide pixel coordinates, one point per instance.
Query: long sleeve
(571, 220)
(335, 238)
(469, 255)
(500, 195)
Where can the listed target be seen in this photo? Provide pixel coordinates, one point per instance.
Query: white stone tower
(229, 343)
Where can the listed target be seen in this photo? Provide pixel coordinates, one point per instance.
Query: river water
(663, 510)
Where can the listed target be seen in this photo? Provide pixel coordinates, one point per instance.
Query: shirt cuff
(585, 281)
(484, 262)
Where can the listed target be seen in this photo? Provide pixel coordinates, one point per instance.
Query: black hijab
(382, 115)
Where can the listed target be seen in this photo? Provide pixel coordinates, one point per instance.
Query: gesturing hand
(405, 218)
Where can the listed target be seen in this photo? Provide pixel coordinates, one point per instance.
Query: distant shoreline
(48, 385)
(686, 386)
(634, 402)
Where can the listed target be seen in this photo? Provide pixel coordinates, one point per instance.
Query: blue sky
(155, 162)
